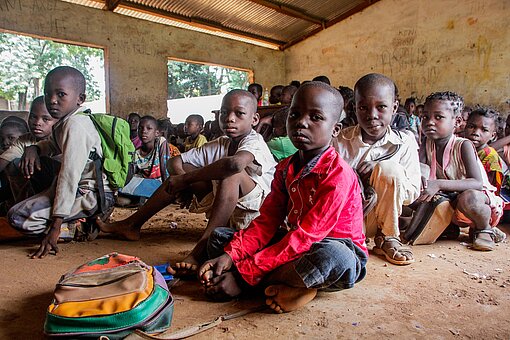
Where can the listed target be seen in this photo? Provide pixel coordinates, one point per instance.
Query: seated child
(11, 129)
(256, 90)
(386, 160)
(166, 130)
(150, 161)
(229, 177)
(275, 94)
(309, 234)
(481, 130)
(73, 195)
(412, 116)
(280, 145)
(134, 120)
(193, 128)
(463, 117)
(40, 123)
(455, 167)
(323, 79)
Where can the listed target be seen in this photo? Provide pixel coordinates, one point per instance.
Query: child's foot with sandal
(393, 250)
(483, 240)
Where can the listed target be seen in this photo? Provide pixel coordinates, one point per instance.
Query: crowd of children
(287, 213)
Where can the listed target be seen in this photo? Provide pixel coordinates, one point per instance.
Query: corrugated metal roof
(268, 23)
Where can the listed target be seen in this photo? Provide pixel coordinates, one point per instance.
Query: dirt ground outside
(450, 292)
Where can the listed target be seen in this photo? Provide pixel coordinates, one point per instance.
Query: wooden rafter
(110, 5)
(290, 11)
(330, 23)
(198, 22)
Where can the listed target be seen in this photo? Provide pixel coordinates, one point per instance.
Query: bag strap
(98, 166)
(195, 329)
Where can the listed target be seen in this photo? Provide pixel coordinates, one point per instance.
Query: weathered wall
(424, 46)
(136, 50)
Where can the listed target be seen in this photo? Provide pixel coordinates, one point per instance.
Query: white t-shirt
(262, 168)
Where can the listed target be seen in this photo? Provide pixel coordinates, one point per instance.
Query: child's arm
(473, 180)
(500, 143)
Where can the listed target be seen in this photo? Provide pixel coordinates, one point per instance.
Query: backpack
(111, 296)
(117, 147)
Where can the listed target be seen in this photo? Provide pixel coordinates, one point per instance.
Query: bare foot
(122, 228)
(186, 267)
(283, 298)
(223, 287)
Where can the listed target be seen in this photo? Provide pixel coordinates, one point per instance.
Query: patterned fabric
(154, 164)
(492, 163)
(174, 151)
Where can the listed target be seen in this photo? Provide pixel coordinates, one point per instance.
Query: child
(275, 94)
(455, 167)
(74, 193)
(256, 90)
(462, 120)
(150, 161)
(316, 195)
(412, 116)
(40, 123)
(385, 160)
(280, 145)
(323, 79)
(166, 130)
(10, 130)
(193, 128)
(134, 120)
(230, 177)
(287, 94)
(481, 129)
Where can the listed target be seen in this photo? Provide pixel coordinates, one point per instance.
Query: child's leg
(331, 264)
(474, 205)
(31, 216)
(393, 191)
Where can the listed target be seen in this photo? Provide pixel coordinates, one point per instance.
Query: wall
(424, 46)
(136, 50)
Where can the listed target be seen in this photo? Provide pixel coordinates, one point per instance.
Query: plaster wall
(136, 51)
(424, 46)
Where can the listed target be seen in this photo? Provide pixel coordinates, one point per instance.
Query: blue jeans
(331, 264)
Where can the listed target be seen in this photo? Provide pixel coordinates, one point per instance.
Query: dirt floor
(450, 292)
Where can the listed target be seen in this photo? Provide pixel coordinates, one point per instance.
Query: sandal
(483, 244)
(390, 246)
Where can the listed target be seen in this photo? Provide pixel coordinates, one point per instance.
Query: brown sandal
(390, 251)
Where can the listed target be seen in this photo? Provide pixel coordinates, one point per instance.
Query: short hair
(196, 118)
(486, 112)
(420, 106)
(295, 83)
(16, 123)
(339, 101)
(410, 100)
(68, 71)
(375, 79)
(164, 124)
(346, 92)
(455, 100)
(134, 114)
(280, 117)
(258, 86)
(323, 79)
(276, 88)
(150, 119)
(239, 92)
(37, 101)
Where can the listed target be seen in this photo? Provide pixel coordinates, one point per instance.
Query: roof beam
(290, 12)
(110, 5)
(352, 11)
(197, 22)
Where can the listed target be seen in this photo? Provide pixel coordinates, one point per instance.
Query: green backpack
(117, 147)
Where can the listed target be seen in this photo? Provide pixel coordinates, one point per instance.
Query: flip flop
(483, 244)
(389, 252)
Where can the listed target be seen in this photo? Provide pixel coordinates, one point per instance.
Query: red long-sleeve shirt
(321, 200)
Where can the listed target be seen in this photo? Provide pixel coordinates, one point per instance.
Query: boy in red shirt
(309, 234)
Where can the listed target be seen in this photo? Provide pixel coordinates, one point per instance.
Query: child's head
(314, 117)
(419, 110)
(194, 125)
(256, 90)
(164, 125)
(64, 91)
(287, 94)
(238, 114)
(441, 114)
(133, 120)
(40, 121)
(410, 105)
(462, 119)
(481, 126)
(507, 127)
(295, 83)
(375, 103)
(279, 123)
(501, 127)
(275, 94)
(323, 79)
(148, 130)
(11, 128)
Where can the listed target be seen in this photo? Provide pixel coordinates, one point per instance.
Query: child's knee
(388, 171)
(470, 200)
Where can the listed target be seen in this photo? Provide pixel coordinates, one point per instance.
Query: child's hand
(30, 161)
(365, 170)
(49, 242)
(175, 184)
(430, 189)
(213, 268)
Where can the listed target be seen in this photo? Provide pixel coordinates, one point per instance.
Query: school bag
(109, 297)
(429, 221)
(117, 147)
